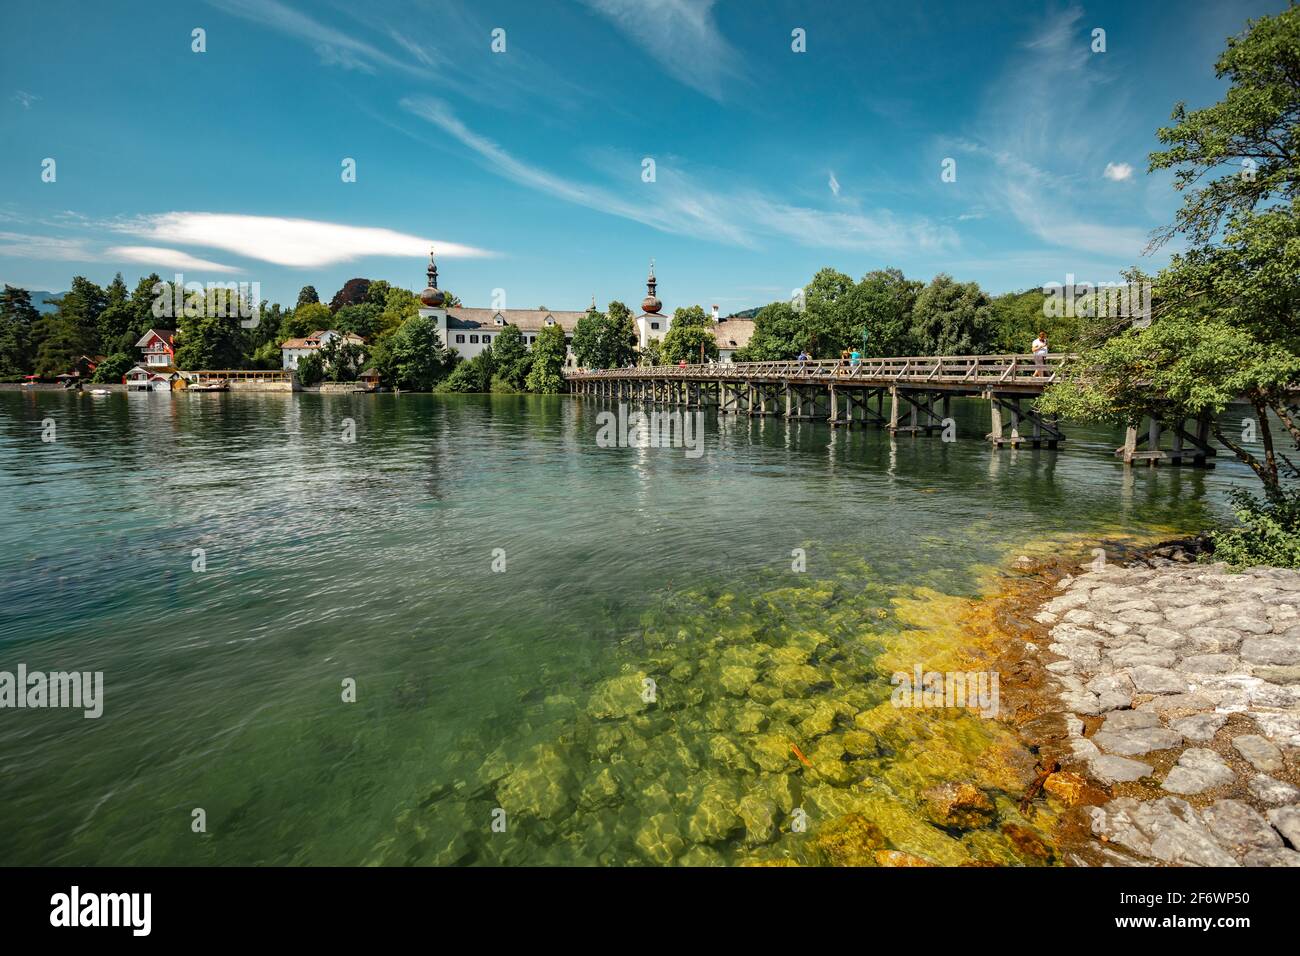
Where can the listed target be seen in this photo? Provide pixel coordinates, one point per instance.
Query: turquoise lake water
(373, 561)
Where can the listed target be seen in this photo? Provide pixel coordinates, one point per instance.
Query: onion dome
(651, 303)
(432, 296)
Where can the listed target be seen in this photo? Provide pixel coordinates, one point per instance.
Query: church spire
(651, 303)
(432, 296)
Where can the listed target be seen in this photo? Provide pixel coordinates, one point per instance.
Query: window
(549, 320)
(499, 320)
(460, 340)
(654, 325)
(532, 339)
(487, 338)
(473, 339)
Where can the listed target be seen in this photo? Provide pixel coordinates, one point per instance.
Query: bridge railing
(974, 370)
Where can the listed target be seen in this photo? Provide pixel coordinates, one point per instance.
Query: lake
(561, 653)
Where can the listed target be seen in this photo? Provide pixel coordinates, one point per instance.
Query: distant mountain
(747, 314)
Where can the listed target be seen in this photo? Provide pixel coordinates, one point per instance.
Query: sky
(548, 151)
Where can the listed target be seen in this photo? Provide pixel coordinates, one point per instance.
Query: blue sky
(525, 168)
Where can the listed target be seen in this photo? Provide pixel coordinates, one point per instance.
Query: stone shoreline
(1168, 705)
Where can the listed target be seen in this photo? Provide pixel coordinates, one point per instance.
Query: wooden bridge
(918, 391)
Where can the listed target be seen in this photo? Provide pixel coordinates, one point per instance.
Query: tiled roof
(167, 335)
(528, 320)
(733, 333)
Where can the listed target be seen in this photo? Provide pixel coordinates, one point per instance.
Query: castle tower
(650, 324)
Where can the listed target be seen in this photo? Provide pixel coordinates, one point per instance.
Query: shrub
(1267, 533)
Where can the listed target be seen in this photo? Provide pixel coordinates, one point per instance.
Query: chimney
(715, 313)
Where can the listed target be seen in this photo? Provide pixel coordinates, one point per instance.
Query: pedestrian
(1039, 348)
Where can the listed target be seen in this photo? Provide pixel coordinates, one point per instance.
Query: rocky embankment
(1179, 685)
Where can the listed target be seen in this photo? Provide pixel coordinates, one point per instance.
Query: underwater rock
(1073, 790)
(715, 818)
(859, 743)
(750, 719)
(850, 840)
(542, 785)
(771, 751)
(958, 806)
(736, 679)
(1029, 845)
(725, 753)
(494, 767)
(659, 839)
(821, 719)
(701, 856)
(759, 814)
(602, 790)
(782, 789)
(827, 758)
(899, 858)
(618, 697)
(793, 680)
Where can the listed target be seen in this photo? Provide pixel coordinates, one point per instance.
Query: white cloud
(23, 246)
(834, 183)
(675, 203)
(288, 242)
(681, 35)
(25, 99)
(166, 258)
(1118, 172)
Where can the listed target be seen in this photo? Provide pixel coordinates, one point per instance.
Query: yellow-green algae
(688, 755)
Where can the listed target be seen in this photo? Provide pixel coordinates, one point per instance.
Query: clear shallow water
(478, 690)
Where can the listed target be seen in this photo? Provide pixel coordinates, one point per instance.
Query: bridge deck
(958, 373)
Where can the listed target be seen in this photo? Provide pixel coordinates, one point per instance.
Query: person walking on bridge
(1039, 348)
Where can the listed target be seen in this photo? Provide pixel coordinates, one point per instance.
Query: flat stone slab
(1157, 680)
(1200, 727)
(1198, 770)
(1273, 792)
(1259, 753)
(1236, 824)
(1274, 649)
(1168, 830)
(1286, 821)
(1113, 769)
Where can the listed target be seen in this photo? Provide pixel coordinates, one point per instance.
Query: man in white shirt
(1039, 348)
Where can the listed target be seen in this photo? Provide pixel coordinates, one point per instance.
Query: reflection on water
(523, 690)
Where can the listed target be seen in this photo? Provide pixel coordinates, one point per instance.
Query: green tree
(362, 319)
(881, 303)
(306, 319)
(510, 353)
(1225, 321)
(472, 376)
(116, 323)
(546, 376)
(342, 361)
(307, 295)
(18, 318)
(688, 343)
(413, 357)
(113, 368)
(311, 369)
(951, 318)
(780, 333)
(208, 336)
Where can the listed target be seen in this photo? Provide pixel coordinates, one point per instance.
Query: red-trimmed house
(157, 368)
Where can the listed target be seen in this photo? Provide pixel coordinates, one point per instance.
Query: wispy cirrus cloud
(682, 35)
(677, 203)
(282, 241)
(333, 46)
(164, 258)
(1025, 129)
